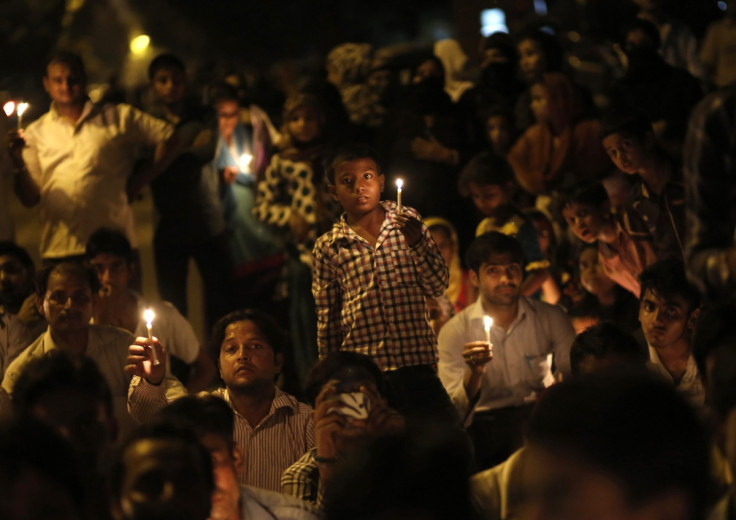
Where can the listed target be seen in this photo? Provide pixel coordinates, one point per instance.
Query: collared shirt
(274, 444)
(371, 299)
(541, 334)
(664, 216)
(690, 385)
(261, 504)
(301, 480)
(82, 170)
(106, 346)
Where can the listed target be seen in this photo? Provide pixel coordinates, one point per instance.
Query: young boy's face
(489, 198)
(113, 272)
(627, 153)
(169, 85)
(585, 220)
(358, 186)
(304, 124)
(665, 321)
(592, 277)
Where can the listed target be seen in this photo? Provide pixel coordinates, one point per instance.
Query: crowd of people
(479, 293)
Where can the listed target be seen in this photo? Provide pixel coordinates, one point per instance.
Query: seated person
(625, 246)
(610, 301)
(658, 194)
(272, 428)
(498, 491)
(212, 421)
(110, 255)
(668, 312)
(17, 292)
(616, 445)
(72, 397)
(350, 409)
(66, 296)
(161, 471)
(489, 180)
(493, 376)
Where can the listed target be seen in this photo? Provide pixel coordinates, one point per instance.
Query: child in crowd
(551, 292)
(500, 132)
(244, 148)
(489, 180)
(560, 148)
(293, 199)
(658, 194)
(612, 302)
(372, 275)
(461, 291)
(625, 247)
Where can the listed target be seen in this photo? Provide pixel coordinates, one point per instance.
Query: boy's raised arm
(433, 273)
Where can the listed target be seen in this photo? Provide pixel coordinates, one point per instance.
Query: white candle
(22, 107)
(487, 324)
(148, 315)
(245, 160)
(399, 185)
(9, 108)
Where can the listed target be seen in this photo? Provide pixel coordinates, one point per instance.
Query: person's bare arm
(166, 152)
(24, 186)
(533, 281)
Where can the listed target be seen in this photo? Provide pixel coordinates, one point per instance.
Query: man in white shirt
(494, 385)
(668, 311)
(76, 161)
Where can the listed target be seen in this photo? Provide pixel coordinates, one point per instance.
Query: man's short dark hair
(485, 169)
(590, 193)
(633, 427)
(322, 372)
(203, 415)
(349, 152)
(70, 59)
(667, 279)
(715, 337)
(165, 61)
(631, 123)
(220, 92)
(275, 333)
(68, 268)
(159, 430)
(494, 243)
(602, 341)
(110, 241)
(10, 248)
(47, 375)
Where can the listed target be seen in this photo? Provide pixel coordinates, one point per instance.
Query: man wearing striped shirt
(372, 273)
(272, 428)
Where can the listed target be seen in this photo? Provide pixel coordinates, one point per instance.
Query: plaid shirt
(371, 300)
(301, 480)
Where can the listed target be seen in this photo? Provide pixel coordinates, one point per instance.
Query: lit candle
(148, 315)
(245, 160)
(487, 324)
(22, 107)
(9, 108)
(399, 185)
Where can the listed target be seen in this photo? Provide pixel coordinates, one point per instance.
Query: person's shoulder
(543, 309)
(276, 505)
(285, 400)
(108, 334)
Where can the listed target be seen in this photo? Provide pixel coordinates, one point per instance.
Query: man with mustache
(494, 376)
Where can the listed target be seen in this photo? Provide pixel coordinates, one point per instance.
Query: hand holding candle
(399, 185)
(148, 315)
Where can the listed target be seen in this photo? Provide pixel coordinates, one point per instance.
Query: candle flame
(22, 107)
(148, 315)
(9, 108)
(487, 323)
(245, 160)
(399, 183)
